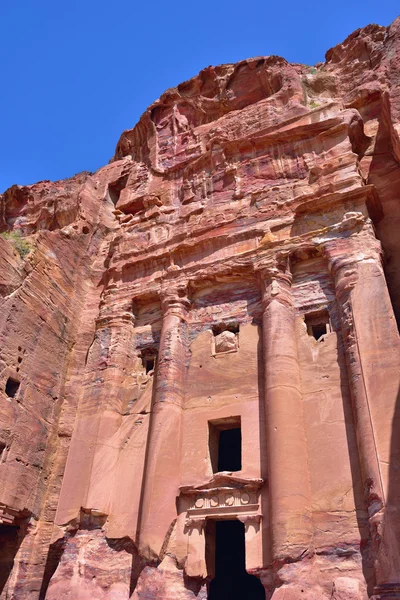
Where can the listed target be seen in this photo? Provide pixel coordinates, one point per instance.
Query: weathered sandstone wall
(235, 266)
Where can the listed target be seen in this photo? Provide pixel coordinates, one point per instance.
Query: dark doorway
(10, 541)
(225, 444)
(226, 544)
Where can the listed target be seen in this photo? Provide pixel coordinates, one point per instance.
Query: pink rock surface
(235, 266)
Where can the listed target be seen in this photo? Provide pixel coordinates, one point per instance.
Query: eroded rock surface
(199, 350)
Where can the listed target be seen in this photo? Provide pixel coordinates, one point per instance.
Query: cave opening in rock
(115, 188)
(226, 560)
(225, 444)
(2, 451)
(12, 386)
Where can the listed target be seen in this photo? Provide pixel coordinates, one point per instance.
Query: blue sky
(75, 74)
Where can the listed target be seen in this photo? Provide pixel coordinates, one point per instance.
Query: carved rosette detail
(199, 502)
(244, 498)
(229, 499)
(223, 499)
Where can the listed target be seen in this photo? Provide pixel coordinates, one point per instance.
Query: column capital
(118, 318)
(174, 298)
(198, 523)
(346, 251)
(249, 519)
(276, 279)
(343, 257)
(274, 266)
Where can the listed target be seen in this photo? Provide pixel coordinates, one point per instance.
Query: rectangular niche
(149, 359)
(225, 338)
(225, 444)
(318, 324)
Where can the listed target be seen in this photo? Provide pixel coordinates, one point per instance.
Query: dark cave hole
(12, 386)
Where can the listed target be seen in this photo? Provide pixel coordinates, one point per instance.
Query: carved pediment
(223, 496)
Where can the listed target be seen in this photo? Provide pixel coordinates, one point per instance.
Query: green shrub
(15, 238)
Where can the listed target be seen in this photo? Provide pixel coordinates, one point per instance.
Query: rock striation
(200, 357)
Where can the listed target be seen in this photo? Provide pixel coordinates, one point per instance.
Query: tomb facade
(200, 352)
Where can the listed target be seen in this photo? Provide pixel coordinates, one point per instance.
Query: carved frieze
(224, 496)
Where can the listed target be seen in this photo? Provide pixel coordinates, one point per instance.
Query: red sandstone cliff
(235, 267)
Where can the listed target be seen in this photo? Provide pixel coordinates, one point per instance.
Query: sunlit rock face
(199, 350)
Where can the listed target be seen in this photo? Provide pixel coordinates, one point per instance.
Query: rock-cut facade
(199, 346)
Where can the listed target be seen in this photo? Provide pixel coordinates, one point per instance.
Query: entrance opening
(12, 386)
(225, 444)
(9, 544)
(226, 559)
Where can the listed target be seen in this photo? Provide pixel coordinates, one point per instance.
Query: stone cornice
(301, 207)
(256, 238)
(264, 257)
(223, 480)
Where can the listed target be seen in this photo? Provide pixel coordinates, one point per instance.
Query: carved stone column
(111, 364)
(371, 344)
(288, 476)
(345, 274)
(104, 391)
(162, 466)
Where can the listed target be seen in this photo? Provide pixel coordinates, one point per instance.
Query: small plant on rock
(19, 243)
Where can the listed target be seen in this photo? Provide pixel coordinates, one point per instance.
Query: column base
(390, 591)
